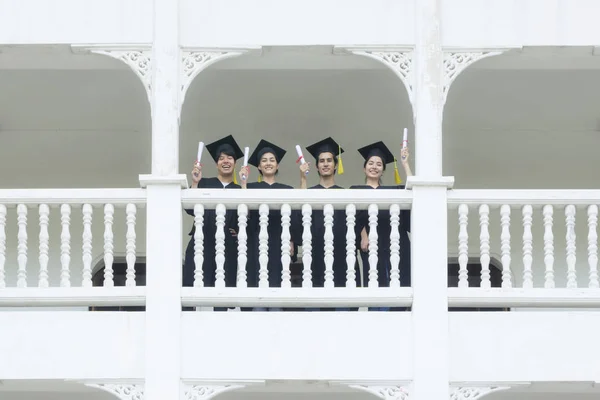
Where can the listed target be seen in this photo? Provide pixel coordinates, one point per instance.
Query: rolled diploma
(246, 151)
(300, 156)
(405, 138)
(200, 148)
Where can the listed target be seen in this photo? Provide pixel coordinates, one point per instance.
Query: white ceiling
(520, 120)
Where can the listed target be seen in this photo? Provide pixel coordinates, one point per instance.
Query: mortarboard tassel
(396, 173)
(340, 164)
(235, 182)
(259, 178)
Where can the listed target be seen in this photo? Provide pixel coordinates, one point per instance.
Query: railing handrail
(72, 196)
(297, 197)
(523, 196)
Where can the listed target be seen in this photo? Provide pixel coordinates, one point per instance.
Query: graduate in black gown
(225, 152)
(326, 153)
(266, 158)
(377, 156)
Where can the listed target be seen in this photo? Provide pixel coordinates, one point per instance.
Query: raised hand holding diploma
(301, 160)
(245, 165)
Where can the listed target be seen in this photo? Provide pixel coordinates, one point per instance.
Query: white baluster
(306, 246)
(109, 211)
(593, 245)
(328, 213)
(220, 246)
(87, 245)
(395, 246)
(350, 245)
(463, 246)
(548, 212)
(22, 246)
(570, 237)
(242, 245)
(44, 212)
(65, 246)
(484, 245)
(198, 245)
(263, 246)
(286, 277)
(527, 246)
(505, 246)
(373, 247)
(130, 237)
(2, 245)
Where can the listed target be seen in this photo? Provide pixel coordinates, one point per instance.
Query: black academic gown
(339, 246)
(274, 230)
(384, 230)
(209, 229)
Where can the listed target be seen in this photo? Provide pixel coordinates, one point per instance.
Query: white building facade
(499, 98)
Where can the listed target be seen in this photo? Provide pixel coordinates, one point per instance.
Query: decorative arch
(137, 57)
(474, 393)
(207, 392)
(398, 59)
(456, 61)
(121, 391)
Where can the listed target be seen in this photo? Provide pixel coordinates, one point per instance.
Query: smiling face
(225, 165)
(268, 165)
(374, 167)
(326, 164)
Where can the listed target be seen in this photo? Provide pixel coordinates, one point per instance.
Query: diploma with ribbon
(246, 151)
(200, 149)
(300, 157)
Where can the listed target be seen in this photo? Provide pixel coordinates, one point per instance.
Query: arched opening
(73, 121)
(119, 268)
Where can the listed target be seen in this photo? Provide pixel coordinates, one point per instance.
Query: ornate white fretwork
(399, 61)
(457, 62)
(194, 61)
(385, 392)
(473, 393)
(206, 392)
(123, 392)
(138, 58)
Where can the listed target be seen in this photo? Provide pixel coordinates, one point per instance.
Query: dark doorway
(120, 277)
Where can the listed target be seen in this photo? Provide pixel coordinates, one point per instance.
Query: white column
(164, 218)
(428, 104)
(429, 213)
(163, 293)
(165, 88)
(430, 294)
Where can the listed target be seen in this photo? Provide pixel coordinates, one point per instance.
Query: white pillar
(165, 88)
(164, 218)
(428, 102)
(429, 213)
(163, 292)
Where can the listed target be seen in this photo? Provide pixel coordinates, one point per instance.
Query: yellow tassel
(340, 164)
(396, 173)
(235, 182)
(259, 178)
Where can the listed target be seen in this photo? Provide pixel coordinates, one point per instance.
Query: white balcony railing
(328, 286)
(54, 226)
(545, 240)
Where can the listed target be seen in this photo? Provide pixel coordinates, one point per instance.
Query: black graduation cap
(381, 150)
(227, 145)
(328, 146)
(377, 149)
(325, 146)
(264, 147)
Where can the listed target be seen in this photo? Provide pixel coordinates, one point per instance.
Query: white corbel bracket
(195, 60)
(207, 392)
(137, 56)
(121, 391)
(457, 60)
(397, 58)
(385, 392)
(473, 393)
